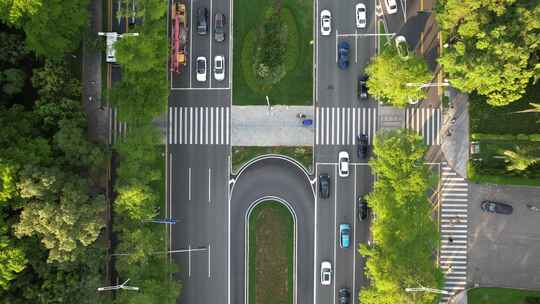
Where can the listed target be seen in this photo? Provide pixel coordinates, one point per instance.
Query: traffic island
(271, 259)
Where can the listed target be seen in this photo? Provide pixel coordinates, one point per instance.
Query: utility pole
(166, 221)
(167, 252)
(121, 286)
(268, 103)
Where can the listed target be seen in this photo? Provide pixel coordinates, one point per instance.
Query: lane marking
(190, 42)
(315, 238)
(210, 54)
(189, 183)
(209, 185)
(334, 232)
(354, 236)
(209, 264)
(189, 260)
(212, 125)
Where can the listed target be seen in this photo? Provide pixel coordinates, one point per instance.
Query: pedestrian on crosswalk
(451, 240)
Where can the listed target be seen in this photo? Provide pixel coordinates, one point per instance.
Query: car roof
(344, 44)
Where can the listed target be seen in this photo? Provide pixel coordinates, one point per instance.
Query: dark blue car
(343, 55)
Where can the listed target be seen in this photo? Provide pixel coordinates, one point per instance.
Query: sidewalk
(256, 126)
(91, 80)
(455, 141)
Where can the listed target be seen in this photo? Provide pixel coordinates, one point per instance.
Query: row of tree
(491, 48)
(52, 209)
(404, 231)
(141, 96)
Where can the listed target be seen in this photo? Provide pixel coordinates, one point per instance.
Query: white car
(219, 67)
(378, 9)
(360, 10)
(201, 69)
(326, 273)
(391, 6)
(343, 162)
(326, 22)
(402, 47)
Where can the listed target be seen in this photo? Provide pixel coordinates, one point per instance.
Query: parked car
(202, 21)
(343, 296)
(391, 6)
(219, 67)
(362, 147)
(343, 55)
(219, 27)
(361, 16)
(326, 22)
(344, 235)
(402, 47)
(362, 209)
(326, 273)
(362, 87)
(201, 69)
(343, 163)
(324, 186)
(378, 9)
(496, 207)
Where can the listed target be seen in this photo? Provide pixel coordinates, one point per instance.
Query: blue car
(344, 235)
(343, 55)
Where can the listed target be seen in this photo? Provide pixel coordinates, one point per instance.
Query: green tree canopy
(404, 232)
(389, 74)
(52, 27)
(12, 258)
(493, 46)
(65, 225)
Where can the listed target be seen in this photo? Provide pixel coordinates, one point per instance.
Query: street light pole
(166, 221)
(268, 103)
(167, 252)
(428, 85)
(121, 286)
(425, 289)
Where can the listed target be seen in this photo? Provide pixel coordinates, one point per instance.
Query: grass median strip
(271, 243)
(241, 155)
(502, 296)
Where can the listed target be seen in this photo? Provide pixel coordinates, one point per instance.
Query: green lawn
(502, 120)
(502, 296)
(383, 39)
(271, 243)
(296, 88)
(241, 155)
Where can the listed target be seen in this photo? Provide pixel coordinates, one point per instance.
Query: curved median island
(271, 255)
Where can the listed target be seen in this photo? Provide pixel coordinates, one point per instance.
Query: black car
(362, 87)
(343, 55)
(362, 209)
(343, 296)
(324, 186)
(202, 21)
(495, 207)
(219, 27)
(362, 148)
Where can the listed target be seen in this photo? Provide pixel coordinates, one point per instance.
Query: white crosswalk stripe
(453, 229)
(340, 126)
(198, 125)
(426, 121)
(118, 128)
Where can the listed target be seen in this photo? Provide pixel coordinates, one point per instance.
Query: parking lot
(504, 250)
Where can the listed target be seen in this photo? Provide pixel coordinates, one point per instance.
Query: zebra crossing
(118, 129)
(426, 121)
(198, 125)
(340, 126)
(453, 229)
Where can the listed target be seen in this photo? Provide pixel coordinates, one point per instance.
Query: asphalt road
(278, 178)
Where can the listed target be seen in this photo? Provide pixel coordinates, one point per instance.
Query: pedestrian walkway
(198, 125)
(118, 128)
(453, 228)
(425, 121)
(340, 126)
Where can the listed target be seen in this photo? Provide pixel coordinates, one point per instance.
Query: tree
(65, 225)
(12, 47)
(404, 233)
(13, 81)
(52, 27)
(389, 74)
(54, 81)
(493, 46)
(520, 159)
(12, 258)
(78, 151)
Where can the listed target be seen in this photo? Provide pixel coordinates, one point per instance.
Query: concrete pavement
(279, 126)
(455, 133)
